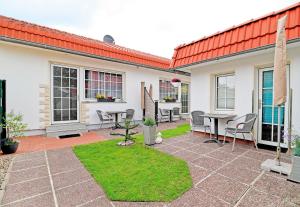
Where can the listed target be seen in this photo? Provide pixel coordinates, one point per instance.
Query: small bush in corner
(149, 122)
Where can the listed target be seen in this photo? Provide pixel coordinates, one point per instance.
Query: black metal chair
(104, 118)
(245, 127)
(198, 121)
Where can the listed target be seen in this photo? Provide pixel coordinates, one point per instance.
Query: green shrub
(149, 122)
(297, 146)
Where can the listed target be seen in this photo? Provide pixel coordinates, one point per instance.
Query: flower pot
(9, 148)
(295, 171)
(176, 84)
(170, 100)
(149, 134)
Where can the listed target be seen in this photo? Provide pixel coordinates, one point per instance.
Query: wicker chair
(164, 115)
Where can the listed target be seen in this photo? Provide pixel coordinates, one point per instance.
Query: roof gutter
(185, 67)
(43, 46)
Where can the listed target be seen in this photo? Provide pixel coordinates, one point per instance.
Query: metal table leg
(216, 129)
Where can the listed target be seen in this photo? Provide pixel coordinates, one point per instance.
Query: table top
(115, 112)
(219, 116)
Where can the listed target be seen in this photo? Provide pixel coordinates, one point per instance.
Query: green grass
(178, 131)
(137, 172)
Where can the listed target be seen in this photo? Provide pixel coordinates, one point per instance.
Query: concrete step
(57, 130)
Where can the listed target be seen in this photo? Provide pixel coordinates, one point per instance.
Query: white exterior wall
(245, 68)
(26, 68)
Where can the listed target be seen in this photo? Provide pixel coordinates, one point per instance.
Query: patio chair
(176, 113)
(245, 127)
(198, 121)
(104, 118)
(164, 115)
(129, 115)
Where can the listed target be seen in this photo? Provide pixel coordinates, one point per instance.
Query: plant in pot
(295, 170)
(176, 82)
(169, 99)
(14, 129)
(110, 99)
(100, 97)
(149, 129)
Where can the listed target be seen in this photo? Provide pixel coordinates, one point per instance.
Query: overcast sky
(153, 26)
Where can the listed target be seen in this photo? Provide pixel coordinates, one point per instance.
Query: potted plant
(110, 99)
(100, 97)
(149, 129)
(169, 99)
(295, 170)
(176, 82)
(14, 128)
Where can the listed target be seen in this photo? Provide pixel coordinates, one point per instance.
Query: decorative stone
(158, 138)
(123, 143)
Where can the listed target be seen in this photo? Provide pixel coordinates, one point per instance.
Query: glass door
(184, 98)
(64, 94)
(268, 113)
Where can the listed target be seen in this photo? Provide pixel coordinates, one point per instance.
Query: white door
(64, 93)
(268, 113)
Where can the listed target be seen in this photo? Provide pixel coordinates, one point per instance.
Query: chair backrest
(176, 111)
(164, 112)
(197, 118)
(129, 114)
(250, 121)
(99, 113)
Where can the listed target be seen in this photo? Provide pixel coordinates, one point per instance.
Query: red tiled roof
(249, 35)
(20, 30)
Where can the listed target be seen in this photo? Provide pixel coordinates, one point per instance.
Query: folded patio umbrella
(280, 75)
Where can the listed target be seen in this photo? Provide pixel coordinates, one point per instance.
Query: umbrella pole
(278, 138)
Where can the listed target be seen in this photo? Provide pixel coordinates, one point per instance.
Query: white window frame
(216, 93)
(162, 79)
(103, 71)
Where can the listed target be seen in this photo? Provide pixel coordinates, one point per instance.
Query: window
(225, 91)
(184, 98)
(107, 84)
(166, 89)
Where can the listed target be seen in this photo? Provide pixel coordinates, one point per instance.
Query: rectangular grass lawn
(135, 173)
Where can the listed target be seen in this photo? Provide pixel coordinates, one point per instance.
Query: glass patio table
(216, 117)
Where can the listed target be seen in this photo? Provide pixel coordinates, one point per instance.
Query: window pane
(65, 103)
(95, 75)
(73, 102)
(57, 103)
(88, 93)
(230, 103)
(57, 92)
(57, 115)
(230, 82)
(221, 93)
(73, 73)
(221, 103)
(65, 82)
(65, 92)
(57, 81)
(65, 115)
(73, 115)
(87, 74)
(66, 72)
(56, 71)
(73, 83)
(221, 81)
(230, 93)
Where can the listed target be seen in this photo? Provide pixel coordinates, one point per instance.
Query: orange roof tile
(24, 31)
(249, 35)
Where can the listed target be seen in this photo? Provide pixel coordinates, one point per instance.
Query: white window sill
(95, 101)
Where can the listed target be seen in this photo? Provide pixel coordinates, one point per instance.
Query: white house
(52, 77)
(232, 72)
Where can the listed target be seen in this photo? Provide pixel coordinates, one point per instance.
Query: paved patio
(220, 178)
